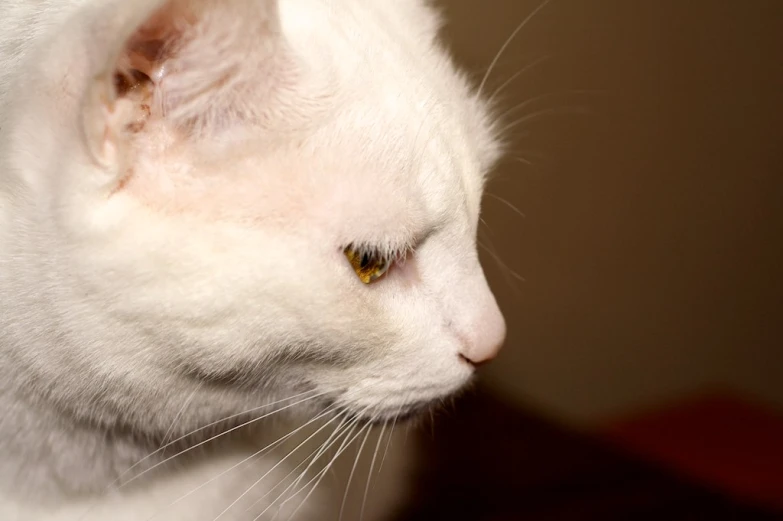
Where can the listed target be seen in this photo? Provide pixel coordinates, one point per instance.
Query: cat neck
(54, 455)
(56, 468)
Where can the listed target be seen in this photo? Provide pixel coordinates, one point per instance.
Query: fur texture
(178, 181)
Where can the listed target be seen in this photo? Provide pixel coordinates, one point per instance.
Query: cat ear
(193, 64)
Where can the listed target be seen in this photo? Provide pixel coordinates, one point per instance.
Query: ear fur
(192, 64)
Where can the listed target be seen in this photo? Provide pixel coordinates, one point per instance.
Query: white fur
(194, 269)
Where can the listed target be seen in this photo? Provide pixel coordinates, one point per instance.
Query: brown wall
(651, 241)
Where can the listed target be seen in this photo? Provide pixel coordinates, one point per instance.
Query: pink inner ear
(206, 64)
(143, 63)
(148, 57)
(157, 40)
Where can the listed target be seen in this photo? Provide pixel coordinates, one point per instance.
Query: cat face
(209, 172)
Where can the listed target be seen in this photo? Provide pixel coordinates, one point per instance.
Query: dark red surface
(729, 443)
(489, 461)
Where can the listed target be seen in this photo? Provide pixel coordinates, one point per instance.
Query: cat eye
(368, 265)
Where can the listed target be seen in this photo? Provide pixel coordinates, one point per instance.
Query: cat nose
(486, 337)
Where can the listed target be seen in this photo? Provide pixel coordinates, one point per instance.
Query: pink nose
(486, 337)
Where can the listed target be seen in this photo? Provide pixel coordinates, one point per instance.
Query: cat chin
(409, 414)
(412, 413)
(407, 411)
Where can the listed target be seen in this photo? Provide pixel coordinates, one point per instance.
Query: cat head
(243, 196)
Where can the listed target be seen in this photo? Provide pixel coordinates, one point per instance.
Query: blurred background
(634, 240)
(650, 177)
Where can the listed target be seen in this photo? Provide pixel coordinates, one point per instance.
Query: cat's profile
(214, 209)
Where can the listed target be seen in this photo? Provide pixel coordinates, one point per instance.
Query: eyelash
(370, 264)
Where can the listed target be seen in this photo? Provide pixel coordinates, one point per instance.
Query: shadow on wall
(646, 160)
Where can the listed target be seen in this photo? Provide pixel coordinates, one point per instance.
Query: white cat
(207, 206)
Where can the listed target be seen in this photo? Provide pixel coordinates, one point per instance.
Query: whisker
(388, 442)
(216, 436)
(245, 460)
(259, 480)
(350, 427)
(322, 473)
(145, 458)
(176, 417)
(515, 76)
(507, 43)
(353, 470)
(486, 225)
(527, 153)
(502, 264)
(524, 160)
(163, 447)
(324, 447)
(542, 112)
(535, 99)
(369, 474)
(507, 203)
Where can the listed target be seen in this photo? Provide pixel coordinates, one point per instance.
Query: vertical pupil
(365, 260)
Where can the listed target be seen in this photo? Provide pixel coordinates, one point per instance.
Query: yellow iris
(368, 266)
